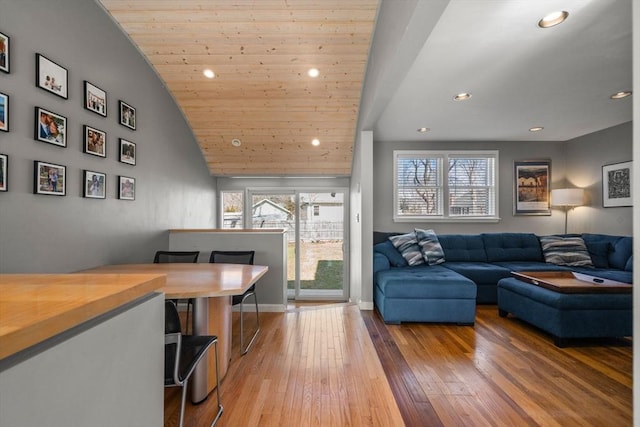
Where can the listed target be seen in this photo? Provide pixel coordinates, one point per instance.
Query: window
(232, 206)
(316, 210)
(445, 185)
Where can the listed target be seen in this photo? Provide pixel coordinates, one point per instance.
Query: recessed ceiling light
(553, 19)
(620, 95)
(536, 129)
(462, 96)
(423, 129)
(315, 142)
(209, 73)
(236, 142)
(313, 72)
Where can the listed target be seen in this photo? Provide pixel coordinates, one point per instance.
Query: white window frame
(444, 155)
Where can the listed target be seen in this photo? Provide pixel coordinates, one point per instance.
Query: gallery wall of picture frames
(53, 127)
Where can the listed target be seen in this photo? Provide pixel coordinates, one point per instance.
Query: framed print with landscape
(127, 152)
(95, 141)
(4, 53)
(95, 184)
(4, 112)
(4, 165)
(616, 185)
(50, 127)
(127, 115)
(49, 178)
(532, 179)
(51, 76)
(126, 188)
(95, 99)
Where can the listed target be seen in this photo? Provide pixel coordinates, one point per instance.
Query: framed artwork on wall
(95, 185)
(127, 115)
(4, 52)
(617, 179)
(532, 179)
(4, 112)
(127, 152)
(50, 127)
(49, 178)
(126, 188)
(4, 171)
(51, 76)
(95, 141)
(95, 99)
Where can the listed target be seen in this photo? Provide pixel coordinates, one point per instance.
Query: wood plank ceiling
(260, 51)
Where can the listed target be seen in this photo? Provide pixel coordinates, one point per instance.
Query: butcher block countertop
(35, 307)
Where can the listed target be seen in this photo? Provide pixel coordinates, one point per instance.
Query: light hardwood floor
(326, 365)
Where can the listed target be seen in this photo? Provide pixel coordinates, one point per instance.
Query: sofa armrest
(380, 262)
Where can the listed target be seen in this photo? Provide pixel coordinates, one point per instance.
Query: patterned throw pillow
(430, 246)
(408, 247)
(570, 251)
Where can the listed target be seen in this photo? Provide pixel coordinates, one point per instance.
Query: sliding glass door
(315, 224)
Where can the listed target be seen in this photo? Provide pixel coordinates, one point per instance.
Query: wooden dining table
(211, 285)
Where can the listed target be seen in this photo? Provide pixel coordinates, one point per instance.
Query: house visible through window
(316, 210)
(445, 185)
(232, 206)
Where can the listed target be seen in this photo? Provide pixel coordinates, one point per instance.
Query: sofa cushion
(629, 266)
(620, 251)
(611, 274)
(425, 282)
(599, 252)
(480, 272)
(531, 266)
(569, 251)
(429, 246)
(463, 248)
(387, 249)
(408, 247)
(512, 247)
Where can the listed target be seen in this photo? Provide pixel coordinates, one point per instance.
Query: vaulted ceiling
(261, 96)
(392, 81)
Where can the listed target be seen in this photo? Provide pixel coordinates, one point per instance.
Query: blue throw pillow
(387, 249)
(599, 252)
(430, 246)
(570, 251)
(629, 266)
(408, 247)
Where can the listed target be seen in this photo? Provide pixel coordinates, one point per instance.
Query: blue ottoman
(425, 294)
(567, 315)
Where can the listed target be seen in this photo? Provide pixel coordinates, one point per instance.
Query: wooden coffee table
(568, 282)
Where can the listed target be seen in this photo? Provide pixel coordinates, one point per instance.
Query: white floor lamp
(568, 198)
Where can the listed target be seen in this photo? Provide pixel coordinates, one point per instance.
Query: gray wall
(585, 157)
(174, 189)
(577, 162)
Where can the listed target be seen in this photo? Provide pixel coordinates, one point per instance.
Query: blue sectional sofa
(471, 268)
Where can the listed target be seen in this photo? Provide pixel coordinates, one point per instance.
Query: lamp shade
(567, 197)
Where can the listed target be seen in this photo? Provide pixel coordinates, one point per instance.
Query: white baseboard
(365, 305)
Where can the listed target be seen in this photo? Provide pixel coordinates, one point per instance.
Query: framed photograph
(50, 127)
(95, 141)
(127, 152)
(4, 165)
(49, 179)
(4, 52)
(127, 115)
(616, 185)
(95, 99)
(95, 185)
(126, 188)
(51, 76)
(532, 180)
(4, 112)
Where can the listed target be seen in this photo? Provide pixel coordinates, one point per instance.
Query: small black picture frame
(95, 141)
(617, 185)
(49, 179)
(95, 99)
(126, 188)
(50, 127)
(51, 77)
(94, 185)
(4, 172)
(127, 115)
(5, 45)
(4, 112)
(127, 152)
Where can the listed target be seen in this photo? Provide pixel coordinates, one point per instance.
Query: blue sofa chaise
(472, 267)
